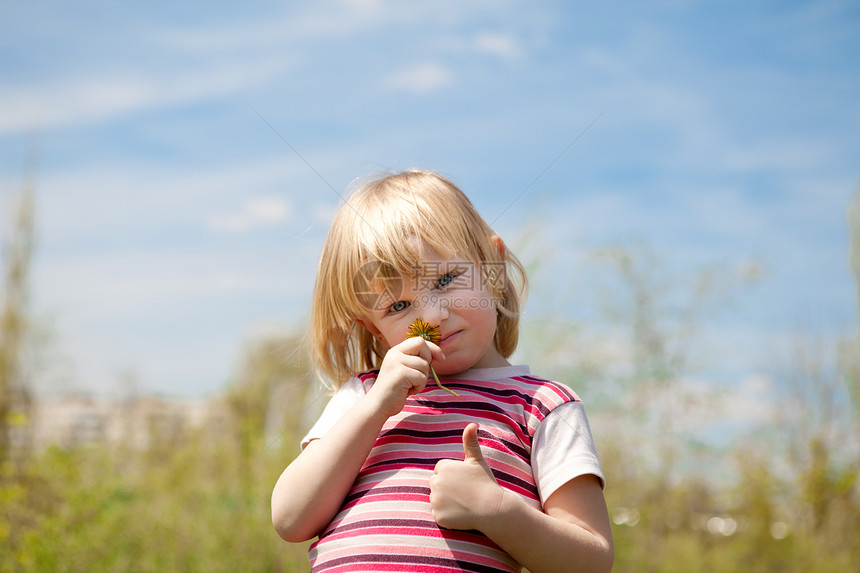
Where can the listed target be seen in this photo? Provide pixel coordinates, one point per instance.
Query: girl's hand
(465, 494)
(404, 372)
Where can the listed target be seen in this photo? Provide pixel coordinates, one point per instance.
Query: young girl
(435, 453)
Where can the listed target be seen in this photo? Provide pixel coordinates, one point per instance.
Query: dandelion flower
(425, 331)
(431, 334)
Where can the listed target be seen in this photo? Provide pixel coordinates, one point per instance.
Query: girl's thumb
(471, 447)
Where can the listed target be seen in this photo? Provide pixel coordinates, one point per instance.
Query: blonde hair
(379, 224)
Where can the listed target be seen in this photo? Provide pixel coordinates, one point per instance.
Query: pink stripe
(396, 531)
(361, 567)
(392, 497)
(435, 548)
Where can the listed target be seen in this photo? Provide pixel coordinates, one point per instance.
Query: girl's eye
(398, 306)
(444, 280)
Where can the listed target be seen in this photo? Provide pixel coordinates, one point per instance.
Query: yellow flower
(430, 334)
(425, 331)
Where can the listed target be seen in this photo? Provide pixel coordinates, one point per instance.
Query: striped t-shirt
(385, 522)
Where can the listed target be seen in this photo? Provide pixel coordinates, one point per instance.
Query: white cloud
(504, 46)
(135, 200)
(320, 23)
(255, 213)
(365, 6)
(108, 95)
(117, 285)
(781, 155)
(420, 78)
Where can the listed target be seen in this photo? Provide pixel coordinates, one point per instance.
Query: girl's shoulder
(553, 388)
(357, 385)
(519, 380)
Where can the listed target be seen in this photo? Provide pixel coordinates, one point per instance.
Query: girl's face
(449, 294)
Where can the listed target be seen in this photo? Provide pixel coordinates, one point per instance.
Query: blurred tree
(820, 426)
(15, 397)
(659, 318)
(849, 351)
(632, 365)
(268, 397)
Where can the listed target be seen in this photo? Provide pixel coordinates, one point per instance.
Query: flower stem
(439, 384)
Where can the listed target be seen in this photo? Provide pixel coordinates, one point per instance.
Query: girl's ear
(371, 328)
(500, 245)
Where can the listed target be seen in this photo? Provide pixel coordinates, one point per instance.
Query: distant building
(83, 420)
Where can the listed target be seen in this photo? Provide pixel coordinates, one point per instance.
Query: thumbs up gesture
(465, 494)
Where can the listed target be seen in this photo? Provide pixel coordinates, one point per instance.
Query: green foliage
(99, 510)
(199, 502)
(759, 523)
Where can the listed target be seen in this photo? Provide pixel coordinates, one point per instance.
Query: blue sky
(174, 224)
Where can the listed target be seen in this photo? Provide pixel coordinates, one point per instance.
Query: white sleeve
(345, 398)
(563, 449)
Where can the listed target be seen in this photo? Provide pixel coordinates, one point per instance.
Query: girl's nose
(435, 309)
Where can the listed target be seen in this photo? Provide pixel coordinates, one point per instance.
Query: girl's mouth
(448, 338)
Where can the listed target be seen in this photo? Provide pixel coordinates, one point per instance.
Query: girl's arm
(573, 535)
(312, 488)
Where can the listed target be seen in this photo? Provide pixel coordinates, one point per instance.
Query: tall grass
(195, 500)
